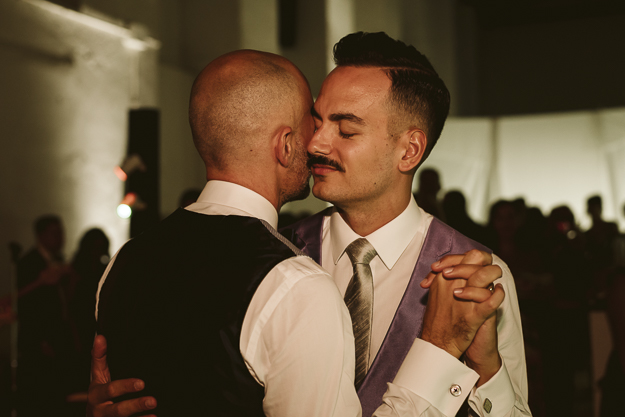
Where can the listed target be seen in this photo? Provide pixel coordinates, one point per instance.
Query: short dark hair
(416, 89)
(43, 222)
(595, 200)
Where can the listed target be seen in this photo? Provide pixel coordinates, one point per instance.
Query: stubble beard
(301, 188)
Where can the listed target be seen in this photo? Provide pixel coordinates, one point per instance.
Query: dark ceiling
(498, 13)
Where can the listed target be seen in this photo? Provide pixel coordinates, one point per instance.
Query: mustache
(324, 160)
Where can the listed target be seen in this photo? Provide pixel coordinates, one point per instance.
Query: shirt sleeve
(504, 395)
(297, 342)
(430, 382)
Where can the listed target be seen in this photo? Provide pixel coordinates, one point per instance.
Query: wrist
(441, 342)
(485, 369)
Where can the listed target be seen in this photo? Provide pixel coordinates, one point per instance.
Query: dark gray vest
(406, 326)
(173, 305)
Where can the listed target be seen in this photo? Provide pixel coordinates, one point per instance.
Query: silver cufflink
(455, 390)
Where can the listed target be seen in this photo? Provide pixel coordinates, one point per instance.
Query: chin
(321, 195)
(300, 195)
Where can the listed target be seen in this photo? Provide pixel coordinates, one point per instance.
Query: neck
(366, 218)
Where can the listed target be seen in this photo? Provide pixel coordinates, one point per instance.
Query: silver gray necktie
(359, 301)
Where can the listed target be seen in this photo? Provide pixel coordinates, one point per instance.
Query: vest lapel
(407, 323)
(306, 234)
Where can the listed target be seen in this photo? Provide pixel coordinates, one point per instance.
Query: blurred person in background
(89, 264)
(455, 214)
(565, 317)
(503, 224)
(599, 241)
(45, 340)
(613, 381)
(427, 193)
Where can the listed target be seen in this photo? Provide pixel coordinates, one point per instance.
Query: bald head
(237, 103)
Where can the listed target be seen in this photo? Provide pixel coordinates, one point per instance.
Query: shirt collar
(389, 241)
(236, 196)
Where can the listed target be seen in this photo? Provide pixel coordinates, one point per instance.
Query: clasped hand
(460, 317)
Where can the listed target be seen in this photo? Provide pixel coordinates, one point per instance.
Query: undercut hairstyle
(418, 97)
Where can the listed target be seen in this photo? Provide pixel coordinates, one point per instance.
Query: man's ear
(284, 146)
(413, 144)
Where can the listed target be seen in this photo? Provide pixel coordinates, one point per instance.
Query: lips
(318, 169)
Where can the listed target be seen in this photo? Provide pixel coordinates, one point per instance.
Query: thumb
(99, 367)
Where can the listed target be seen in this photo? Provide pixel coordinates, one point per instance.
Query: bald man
(213, 309)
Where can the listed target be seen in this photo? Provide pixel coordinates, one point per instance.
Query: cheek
(381, 156)
(382, 165)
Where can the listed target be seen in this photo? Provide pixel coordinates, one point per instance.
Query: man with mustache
(363, 161)
(377, 117)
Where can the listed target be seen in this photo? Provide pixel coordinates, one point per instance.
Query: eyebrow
(337, 117)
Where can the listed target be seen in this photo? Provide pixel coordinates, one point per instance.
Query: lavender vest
(406, 326)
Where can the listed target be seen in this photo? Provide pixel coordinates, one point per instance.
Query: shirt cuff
(495, 397)
(436, 376)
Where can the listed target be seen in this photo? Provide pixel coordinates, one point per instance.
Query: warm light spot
(135, 44)
(120, 173)
(129, 199)
(124, 211)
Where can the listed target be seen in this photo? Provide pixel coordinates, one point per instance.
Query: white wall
(67, 84)
(181, 166)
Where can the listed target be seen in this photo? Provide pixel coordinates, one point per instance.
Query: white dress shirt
(428, 372)
(296, 337)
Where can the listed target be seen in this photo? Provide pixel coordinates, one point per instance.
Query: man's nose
(320, 143)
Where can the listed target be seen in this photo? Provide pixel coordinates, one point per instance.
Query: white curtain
(548, 159)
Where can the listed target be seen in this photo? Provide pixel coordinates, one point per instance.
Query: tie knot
(360, 251)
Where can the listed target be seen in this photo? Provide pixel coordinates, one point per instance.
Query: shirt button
(455, 390)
